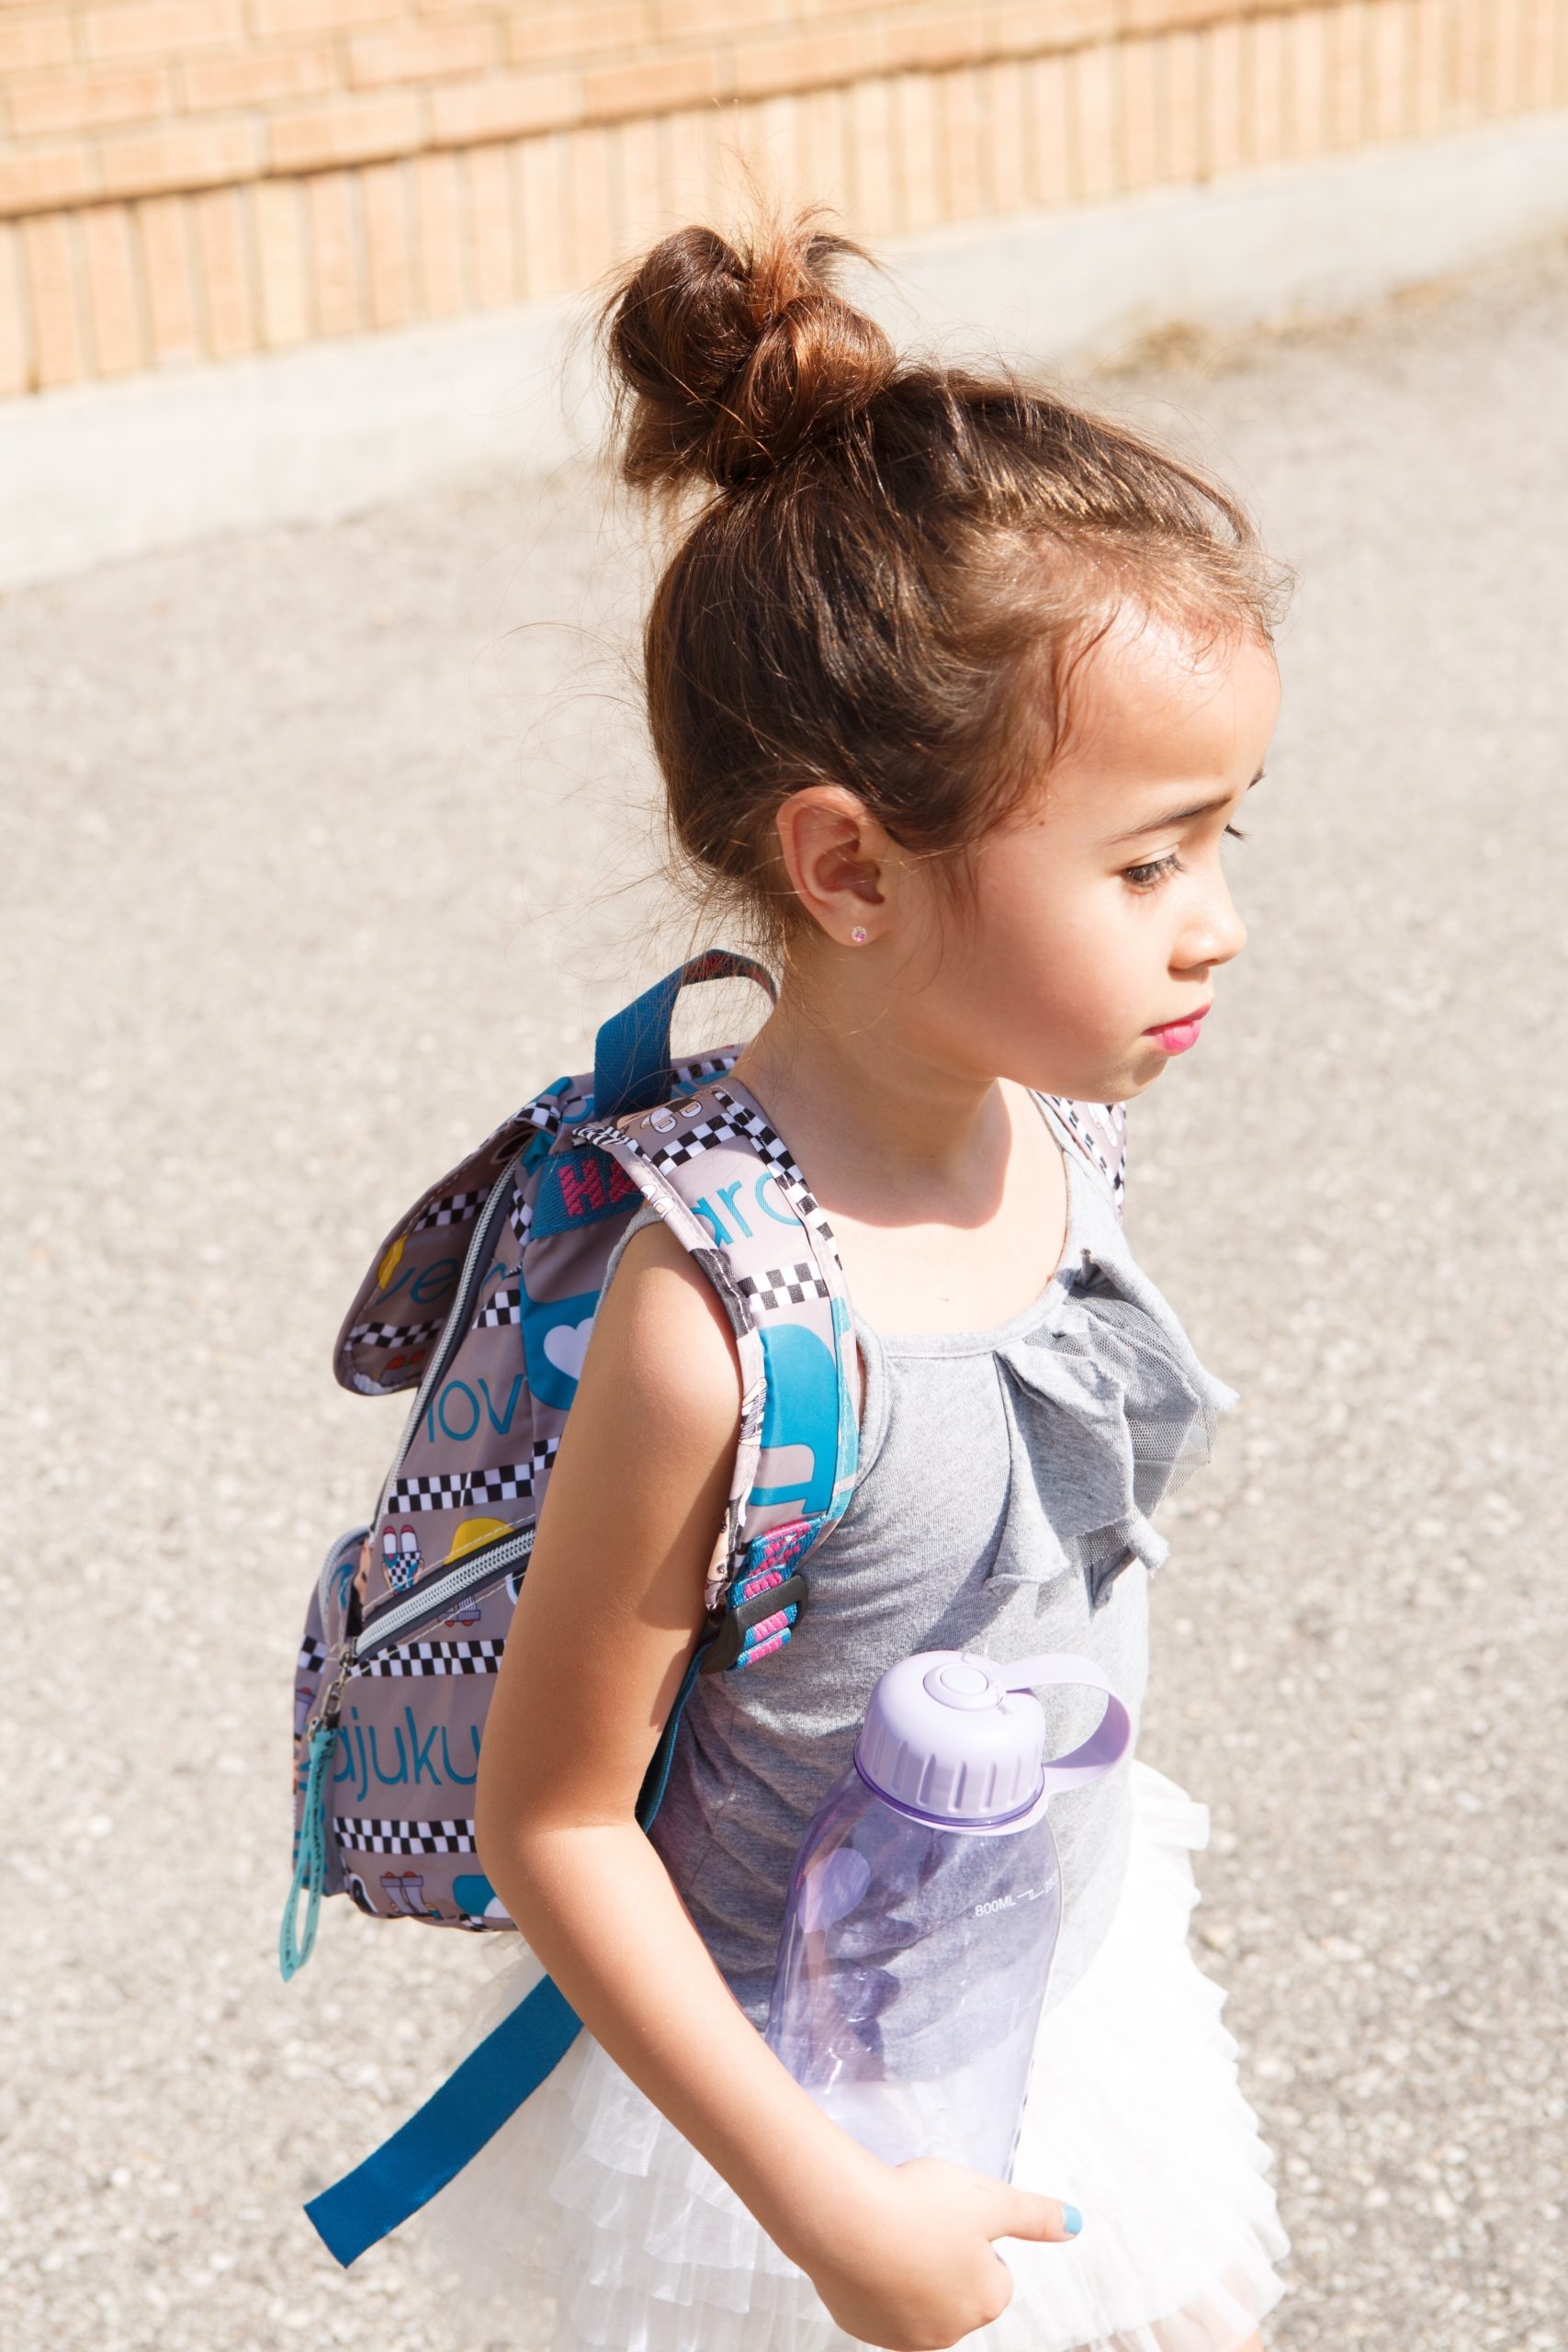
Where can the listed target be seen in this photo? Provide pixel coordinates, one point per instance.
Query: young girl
(955, 689)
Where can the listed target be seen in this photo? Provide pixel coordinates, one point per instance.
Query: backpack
(483, 1299)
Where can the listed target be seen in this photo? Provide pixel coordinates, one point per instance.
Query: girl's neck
(882, 1127)
(945, 1188)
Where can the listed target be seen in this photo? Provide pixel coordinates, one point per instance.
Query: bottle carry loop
(1107, 1744)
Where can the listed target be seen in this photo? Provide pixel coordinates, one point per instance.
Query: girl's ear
(838, 858)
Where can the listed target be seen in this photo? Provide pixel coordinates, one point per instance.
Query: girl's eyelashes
(1150, 877)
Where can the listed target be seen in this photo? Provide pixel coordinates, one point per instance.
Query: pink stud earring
(860, 934)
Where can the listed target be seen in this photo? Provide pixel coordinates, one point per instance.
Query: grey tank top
(1001, 1506)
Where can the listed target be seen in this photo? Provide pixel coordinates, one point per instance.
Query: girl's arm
(606, 1622)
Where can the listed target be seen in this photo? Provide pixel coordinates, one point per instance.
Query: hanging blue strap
(631, 1052)
(435, 2144)
(406, 2171)
(295, 1945)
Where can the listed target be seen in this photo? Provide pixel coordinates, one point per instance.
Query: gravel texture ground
(321, 849)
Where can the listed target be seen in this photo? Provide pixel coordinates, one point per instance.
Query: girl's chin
(1148, 1064)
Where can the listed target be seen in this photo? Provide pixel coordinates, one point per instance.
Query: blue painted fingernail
(1072, 2220)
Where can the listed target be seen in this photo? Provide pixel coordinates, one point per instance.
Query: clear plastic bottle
(924, 1908)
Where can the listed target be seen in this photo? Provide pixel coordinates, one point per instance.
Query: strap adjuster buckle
(725, 1648)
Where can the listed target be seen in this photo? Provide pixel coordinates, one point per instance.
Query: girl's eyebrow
(1175, 817)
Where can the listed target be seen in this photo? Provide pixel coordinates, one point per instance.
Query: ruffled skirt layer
(600, 2229)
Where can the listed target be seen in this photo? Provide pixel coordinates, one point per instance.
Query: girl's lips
(1178, 1036)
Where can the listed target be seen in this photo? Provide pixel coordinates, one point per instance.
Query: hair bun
(734, 360)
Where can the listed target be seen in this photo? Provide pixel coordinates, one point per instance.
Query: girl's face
(1102, 915)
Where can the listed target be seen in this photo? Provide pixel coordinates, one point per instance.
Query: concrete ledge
(107, 471)
(1319, 238)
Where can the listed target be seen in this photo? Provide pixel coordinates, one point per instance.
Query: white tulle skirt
(595, 2224)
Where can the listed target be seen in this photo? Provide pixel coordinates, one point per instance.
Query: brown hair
(896, 564)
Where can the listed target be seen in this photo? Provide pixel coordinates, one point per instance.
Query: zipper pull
(295, 1944)
(329, 1705)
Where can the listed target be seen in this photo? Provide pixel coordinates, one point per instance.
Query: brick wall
(183, 180)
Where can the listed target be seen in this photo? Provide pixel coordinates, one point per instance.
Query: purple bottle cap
(954, 1739)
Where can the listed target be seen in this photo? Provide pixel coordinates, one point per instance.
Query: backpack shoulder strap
(725, 1183)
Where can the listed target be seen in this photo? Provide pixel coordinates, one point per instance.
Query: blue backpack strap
(632, 1066)
(479, 2094)
(406, 2171)
(725, 1183)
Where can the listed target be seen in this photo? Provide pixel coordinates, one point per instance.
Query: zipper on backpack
(387, 1626)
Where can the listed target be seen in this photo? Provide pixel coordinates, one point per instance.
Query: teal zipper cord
(294, 1945)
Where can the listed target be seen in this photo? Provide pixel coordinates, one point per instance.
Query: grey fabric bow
(1106, 1396)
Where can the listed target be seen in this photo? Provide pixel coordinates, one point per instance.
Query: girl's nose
(1216, 934)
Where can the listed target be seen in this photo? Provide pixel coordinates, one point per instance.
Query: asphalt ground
(324, 848)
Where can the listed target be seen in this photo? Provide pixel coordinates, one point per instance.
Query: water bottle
(924, 1908)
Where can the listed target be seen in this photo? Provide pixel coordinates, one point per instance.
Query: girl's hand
(913, 2268)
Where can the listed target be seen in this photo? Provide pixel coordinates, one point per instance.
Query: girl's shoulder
(659, 1401)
